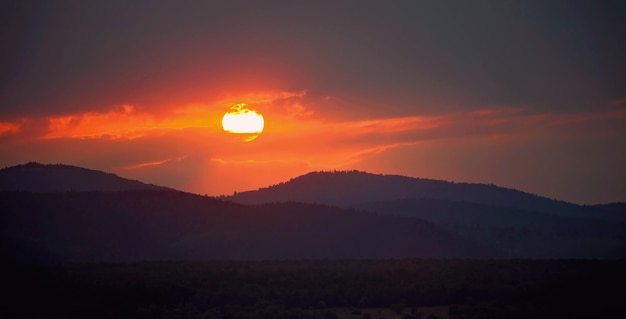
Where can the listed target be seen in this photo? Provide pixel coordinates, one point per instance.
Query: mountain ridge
(37, 177)
(347, 188)
(318, 215)
(517, 223)
(170, 225)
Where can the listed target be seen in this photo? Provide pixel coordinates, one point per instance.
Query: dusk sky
(522, 94)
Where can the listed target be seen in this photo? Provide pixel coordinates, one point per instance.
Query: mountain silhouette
(172, 225)
(59, 213)
(349, 188)
(515, 232)
(611, 211)
(518, 224)
(37, 177)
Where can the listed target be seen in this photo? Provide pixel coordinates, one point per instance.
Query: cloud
(186, 173)
(153, 163)
(132, 121)
(186, 148)
(496, 112)
(9, 128)
(125, 121)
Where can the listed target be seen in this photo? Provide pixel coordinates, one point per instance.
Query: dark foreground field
(409, 288)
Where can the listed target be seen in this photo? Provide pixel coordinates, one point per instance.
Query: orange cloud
(400, 124)
(490, 112)
(148, 164)
(9, 128)
(125, 122)
(327, 143)
(129, 121)
(185, 147)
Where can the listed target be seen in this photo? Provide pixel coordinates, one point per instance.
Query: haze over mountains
(55, 213)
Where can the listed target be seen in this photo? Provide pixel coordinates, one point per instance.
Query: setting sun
(242, 120)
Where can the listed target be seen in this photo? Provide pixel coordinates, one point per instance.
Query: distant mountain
(37, 177)
(518, 224)
(171, 225)
(55, 213)
(514, 232)
(612, 211)
(348, 188)
(455, 213)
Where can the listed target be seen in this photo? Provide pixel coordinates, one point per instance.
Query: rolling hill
(516, 223)
(171, 225)
(51, 213)
(35, 177)
(353, 188)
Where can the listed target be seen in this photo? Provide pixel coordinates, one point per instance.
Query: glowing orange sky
(185, 146)
(506, 93)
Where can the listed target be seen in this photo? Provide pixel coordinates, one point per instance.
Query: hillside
(516, 233)
(37, 177)
(170, 225)
(351, 188)
(66, 213)
(518, 224)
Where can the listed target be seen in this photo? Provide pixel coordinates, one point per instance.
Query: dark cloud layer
(63, 56)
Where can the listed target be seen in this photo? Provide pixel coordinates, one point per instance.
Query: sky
(522, 94)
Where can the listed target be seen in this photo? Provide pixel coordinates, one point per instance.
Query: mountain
(171, 225)
(518, 224)
(454, 213)
(612, 211)
(514, 232)
(35, 177)
(65, 213)
(348, 188)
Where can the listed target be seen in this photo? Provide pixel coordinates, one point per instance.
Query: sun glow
(242, 120)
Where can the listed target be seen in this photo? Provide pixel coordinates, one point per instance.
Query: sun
(242, 120)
